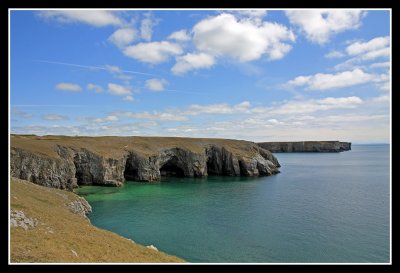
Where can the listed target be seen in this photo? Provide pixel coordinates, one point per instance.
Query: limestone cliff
(306, 146)
(65, 162)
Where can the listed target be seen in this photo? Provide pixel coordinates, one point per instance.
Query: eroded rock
(19, 219)
(85, 166)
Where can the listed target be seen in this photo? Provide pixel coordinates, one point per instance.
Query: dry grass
(60, 232)
(115, 147)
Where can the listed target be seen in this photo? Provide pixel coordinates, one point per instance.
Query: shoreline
(49, 225)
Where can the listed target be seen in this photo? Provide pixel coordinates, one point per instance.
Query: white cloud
(383, 52)
(119, 90)
(244, 40)
(156, 85)
(123, 77)
(334, 54)
(322, 81)
(320, 25)
(129, 98)
(96, 88)
(180, 35)
(257, 13)
(97, 18)
(385, 86)
(20, 113)
(152, 116)
(146, 27)
(110, 118)
(373, 49)
(122, 37)
(382, 98)
(310, 106)
(361, 52)
(54, 117)
(113, 69)
(154, 52)
(192, 61)
(372, 45)
(221, 108)
(65, 86)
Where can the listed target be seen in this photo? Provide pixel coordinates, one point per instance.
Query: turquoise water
(322, 207)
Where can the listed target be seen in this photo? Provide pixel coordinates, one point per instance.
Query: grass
(115, 147)
(60, 232)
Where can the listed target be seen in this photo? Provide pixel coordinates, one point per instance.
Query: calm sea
(322, 207)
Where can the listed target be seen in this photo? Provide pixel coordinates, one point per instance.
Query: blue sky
(258, 75)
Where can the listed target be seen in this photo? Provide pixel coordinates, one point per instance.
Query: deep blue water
(322, 207)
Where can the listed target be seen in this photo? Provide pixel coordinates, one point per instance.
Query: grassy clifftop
(48, 231)
(113, 146)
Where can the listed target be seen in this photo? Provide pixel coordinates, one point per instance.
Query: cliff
(50, 225)
(306, 146)
(65, 162)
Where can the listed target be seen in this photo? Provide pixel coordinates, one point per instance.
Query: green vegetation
(113, 146)
(59, 235)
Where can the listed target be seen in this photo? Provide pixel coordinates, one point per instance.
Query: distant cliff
(306, 146)
(66, 162)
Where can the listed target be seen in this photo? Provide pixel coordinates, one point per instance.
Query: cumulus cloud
(221, 108)
(71, 87)
(146, 26)
(97, 18)
(113, 69)
(244, 40)
(192, 61)
(119, 90)
(154, 52)
(180, 35)
(109, 118)
(96, 88)
(156, 85)
(254, 13)
(151, 115)
(380, 65)
(322, 81)
(129, 98)
(360, 52)
(122, 37)
(312, 105)
(334, 54)
(364, 47)
(54, 117)
(319, 25)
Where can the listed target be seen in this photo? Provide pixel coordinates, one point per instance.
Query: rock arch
(172, 167)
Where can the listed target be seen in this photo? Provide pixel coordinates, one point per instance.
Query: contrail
(94, 67)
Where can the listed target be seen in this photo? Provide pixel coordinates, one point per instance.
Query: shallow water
(322, 207)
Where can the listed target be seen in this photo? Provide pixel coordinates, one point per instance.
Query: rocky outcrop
(95, 169)
(80, 206)
(19, 219)
(67, 164)
(306, 146)
(42, 169)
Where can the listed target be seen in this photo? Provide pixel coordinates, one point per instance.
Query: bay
(321, 208)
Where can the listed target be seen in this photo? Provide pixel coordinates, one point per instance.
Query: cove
(321, 208)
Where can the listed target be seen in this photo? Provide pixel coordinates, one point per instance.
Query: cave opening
(131, 170)
(213, 167)
(171, 168)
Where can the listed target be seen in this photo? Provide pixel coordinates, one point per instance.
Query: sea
(321, 208)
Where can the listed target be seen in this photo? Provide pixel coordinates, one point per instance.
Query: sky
(257, 75)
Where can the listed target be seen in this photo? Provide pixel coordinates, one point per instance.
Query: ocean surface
(322, 207)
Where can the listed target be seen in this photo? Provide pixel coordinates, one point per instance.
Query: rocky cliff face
(66, 162)
(306, 146)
